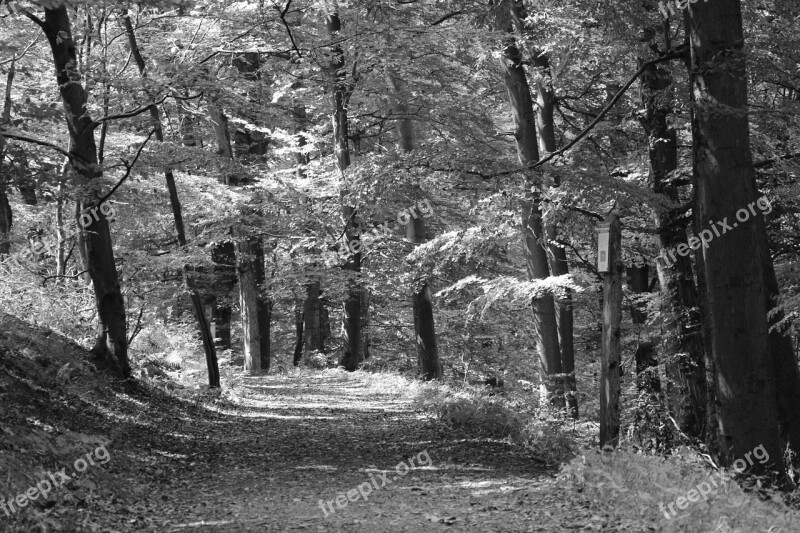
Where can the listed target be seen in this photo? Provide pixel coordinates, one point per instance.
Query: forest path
(297, 439)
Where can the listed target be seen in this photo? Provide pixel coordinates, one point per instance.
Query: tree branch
(282, 14)
(142, 109)
(447, 17)
(40, 142)
(129, 167)
(677, 54)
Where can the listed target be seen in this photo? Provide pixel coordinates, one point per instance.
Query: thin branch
(143, 109)
(76, 276)
(286, 25)
(447, 17)
(667, 57)
(129, 167)
(21, 55)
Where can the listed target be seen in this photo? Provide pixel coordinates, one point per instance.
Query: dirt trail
(294, 441)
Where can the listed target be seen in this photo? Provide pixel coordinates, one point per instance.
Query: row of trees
(320, 114)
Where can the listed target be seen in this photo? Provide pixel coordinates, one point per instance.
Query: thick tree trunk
(688, 403)
(747, 410)
(787, 373)
(544, 315)
(430, 366)
(248, 302)
(112, 342)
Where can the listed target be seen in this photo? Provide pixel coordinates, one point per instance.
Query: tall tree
(177, 214)
(546, 133)
(430, 366)
(111, 342)
(340, 93)
(5, 206)
(736, 322)
(544, 315)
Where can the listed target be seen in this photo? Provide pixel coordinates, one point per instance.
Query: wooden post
(609, 262)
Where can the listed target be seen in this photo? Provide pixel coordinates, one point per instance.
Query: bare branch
(286, 25)
(129, 167)
(677, 54)
(447, 17)
(142, 109)
(22, 54)
(19, 137)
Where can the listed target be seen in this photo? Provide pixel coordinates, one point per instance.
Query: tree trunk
(208, 341)
(111, 343)
(223, 256)
(351, 320)
(263, 302)
(177, 214)
(312, 313)
(544, 319)
(299, 322)
(248, 302)
(430, 367)
(5, 206)
(787, 374)
(679, 296)
(747, 410)
(545, 129)
(300, 118)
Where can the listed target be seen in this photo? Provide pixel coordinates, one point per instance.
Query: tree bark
(312, 313)
(111, 343)
(263, 302)
(299, 322)
(787, 373)
(544, 319)
(248, 302)
(546, 135)
(5, 207)
(351, 319)
(747, 410)
(430, 367)
(679, 295)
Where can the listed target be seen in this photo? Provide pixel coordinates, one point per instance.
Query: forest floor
(302, 450)
(263, 462)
